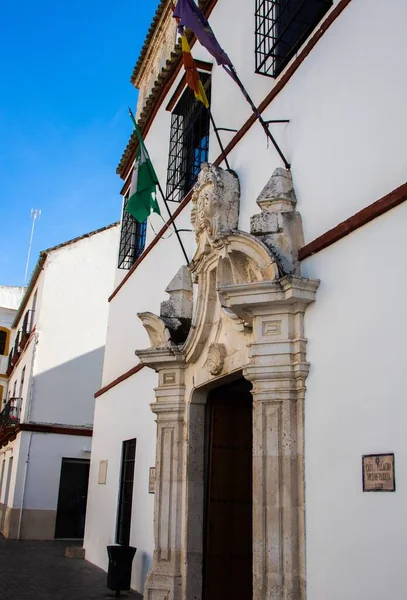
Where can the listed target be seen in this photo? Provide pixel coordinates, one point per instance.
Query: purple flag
(190, 16)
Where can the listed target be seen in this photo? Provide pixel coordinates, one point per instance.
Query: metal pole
(173, 222)
(218, 138)
(231, 71)
(35, 213)
(161, 192)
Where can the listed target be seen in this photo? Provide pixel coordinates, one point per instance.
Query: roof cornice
(163, 82)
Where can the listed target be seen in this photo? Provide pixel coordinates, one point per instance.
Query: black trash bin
(119, 572)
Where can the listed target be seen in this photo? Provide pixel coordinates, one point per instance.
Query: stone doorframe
(248, 320)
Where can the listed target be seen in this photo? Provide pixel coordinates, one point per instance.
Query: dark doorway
(126, 492)
(227, 569)
(73, 493)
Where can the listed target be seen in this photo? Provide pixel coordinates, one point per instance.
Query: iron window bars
(189, 142)
(281, 28)
(132, 239)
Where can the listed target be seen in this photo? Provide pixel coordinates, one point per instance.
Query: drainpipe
(24, 484)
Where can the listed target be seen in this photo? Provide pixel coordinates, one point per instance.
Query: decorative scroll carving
(156, 328)
(215, 202)
(216, 358)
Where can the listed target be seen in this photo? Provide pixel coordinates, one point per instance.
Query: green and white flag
(142, 197)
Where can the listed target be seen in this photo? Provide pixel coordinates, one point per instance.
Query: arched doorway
(227, 543)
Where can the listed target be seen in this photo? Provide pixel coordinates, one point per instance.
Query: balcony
(26, 328)
(10, 363)
(11, 413)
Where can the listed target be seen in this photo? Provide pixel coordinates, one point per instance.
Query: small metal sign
(378, 473)
(151, 481)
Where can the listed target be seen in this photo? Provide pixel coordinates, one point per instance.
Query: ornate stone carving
(279, 224)
(215, 202)
(216, 358)
(257, 314)
(177, 311)
(156, 328)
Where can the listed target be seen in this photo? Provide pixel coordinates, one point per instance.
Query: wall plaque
(102, 472)
(378, 473)
(151, 481)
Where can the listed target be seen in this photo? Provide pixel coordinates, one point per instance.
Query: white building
(55, 363)
(10, 298)
(261, 496)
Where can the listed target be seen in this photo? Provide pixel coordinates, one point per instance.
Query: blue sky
(64, 81)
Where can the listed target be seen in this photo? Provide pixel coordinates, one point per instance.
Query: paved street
(40, 571)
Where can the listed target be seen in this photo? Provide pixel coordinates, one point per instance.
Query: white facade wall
(63, 366)
(72, 329)
(345, 141)
(355, 406)
(42, 477)
(10, 297)
(122, 414)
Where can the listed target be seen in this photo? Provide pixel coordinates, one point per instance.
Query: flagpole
(173, 222)
(166, 203)
(219, 140)
(231, 71)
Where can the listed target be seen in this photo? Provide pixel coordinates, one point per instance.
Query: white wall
(44, 467)
(345, 140)
(355, 405)
(344, 118)
(121, 414)
(78, 279)
(10, 296)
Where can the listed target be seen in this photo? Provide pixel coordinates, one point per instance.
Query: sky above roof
(65, 70)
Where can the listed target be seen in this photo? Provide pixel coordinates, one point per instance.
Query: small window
(126, 492)
(4, 337)
(189, 142)
(281, 28)
(132, 238)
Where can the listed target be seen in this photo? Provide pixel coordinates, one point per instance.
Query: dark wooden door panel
(228, 527)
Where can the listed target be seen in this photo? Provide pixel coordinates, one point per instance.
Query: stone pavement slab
(40, 571)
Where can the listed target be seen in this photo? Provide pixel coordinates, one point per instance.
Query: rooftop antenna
(35, 214)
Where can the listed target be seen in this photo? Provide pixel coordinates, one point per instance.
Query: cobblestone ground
(40, 571)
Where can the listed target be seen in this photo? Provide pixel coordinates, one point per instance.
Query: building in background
(54, 364)
(10, 298)
(233, 472)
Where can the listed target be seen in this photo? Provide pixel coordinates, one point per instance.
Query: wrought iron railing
(132, 239)
(189, 142)
(281, 28)
(28, 322)
(10, 362)
(11, 413)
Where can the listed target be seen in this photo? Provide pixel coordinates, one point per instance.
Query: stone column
(164, 579)
(277, 368)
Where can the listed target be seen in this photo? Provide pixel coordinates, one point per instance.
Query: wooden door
(73, 493)
(227, 571)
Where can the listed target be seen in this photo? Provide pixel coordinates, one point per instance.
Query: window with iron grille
(126, 492)
(281, 27)
(189, 142)
(132, 239)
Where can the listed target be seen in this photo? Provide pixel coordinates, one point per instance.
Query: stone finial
(179, 289)
(279, 224)
(177, 310)
(278, 194)
(215, 202)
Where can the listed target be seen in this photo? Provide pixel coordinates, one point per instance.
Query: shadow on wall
(65, 394)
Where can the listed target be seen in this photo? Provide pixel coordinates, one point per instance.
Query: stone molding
(245, 303)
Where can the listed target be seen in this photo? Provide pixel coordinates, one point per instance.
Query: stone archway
(248, 319)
